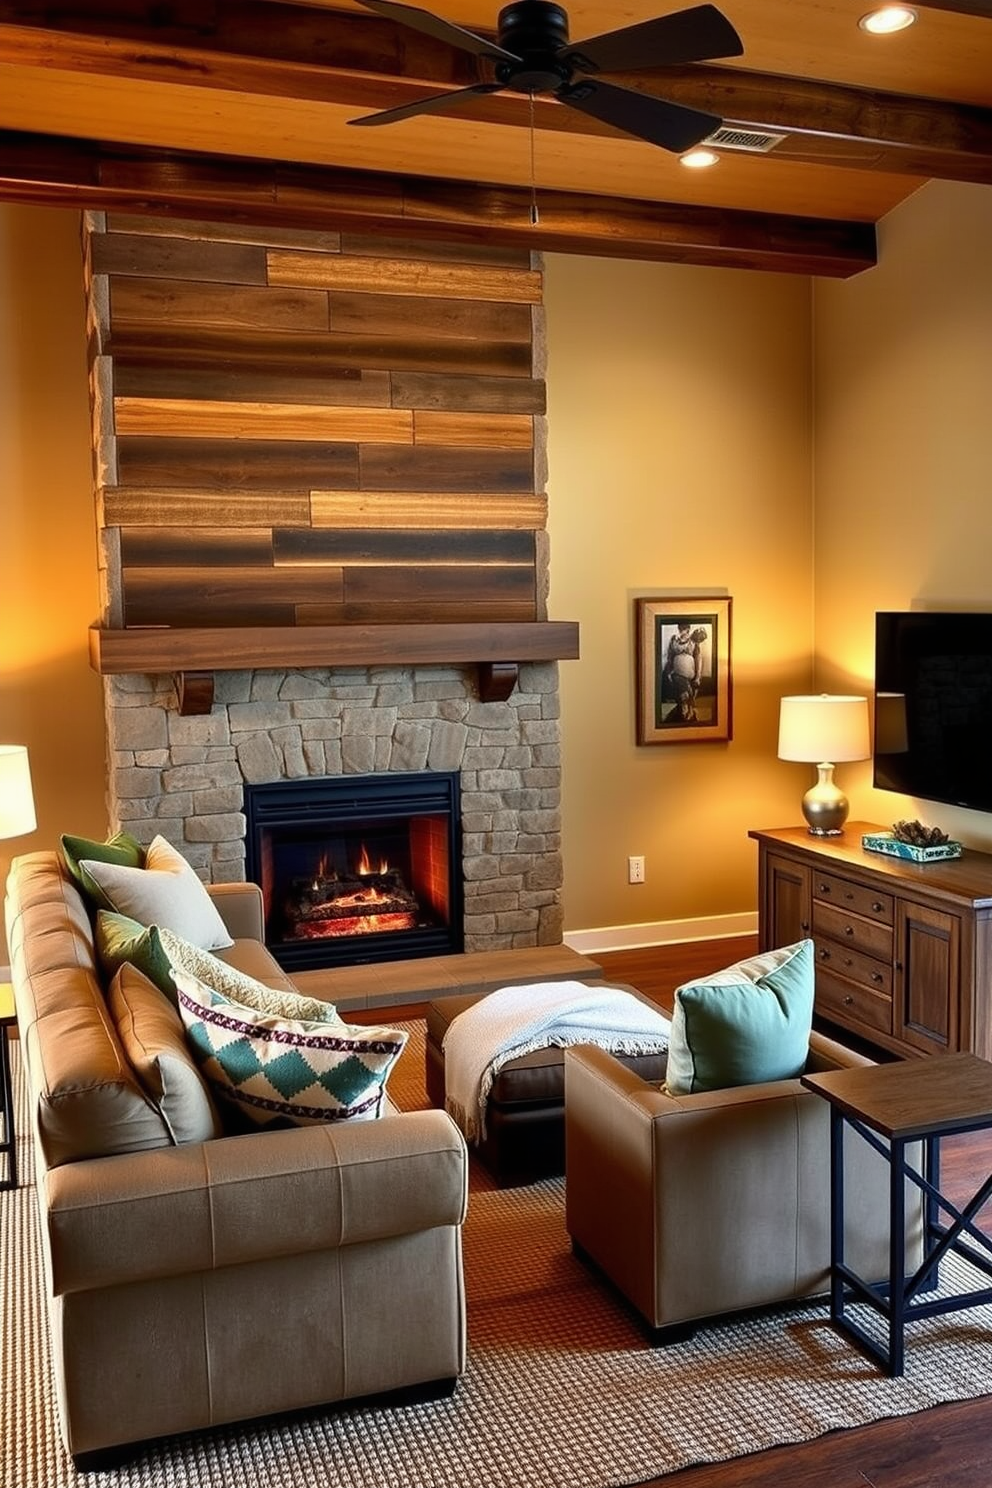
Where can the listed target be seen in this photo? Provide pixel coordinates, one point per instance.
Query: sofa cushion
(121, 940)
(282, 1001)
(153, 1039)
(165, 892)
(743, 1025)
(122, 849)
(273, 1069)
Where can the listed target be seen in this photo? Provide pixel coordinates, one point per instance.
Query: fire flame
(365, 867)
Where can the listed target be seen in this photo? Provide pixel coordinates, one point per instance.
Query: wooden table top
(912, 1097)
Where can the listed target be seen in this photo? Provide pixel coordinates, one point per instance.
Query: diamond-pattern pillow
(275, 1069)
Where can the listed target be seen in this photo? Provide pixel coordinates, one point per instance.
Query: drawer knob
(824, 955)
(848, 1001)
(848, 961)
(848, 895)
(876, 976)
(878, 907)
(848, 929)
(824, 888)
(804, 925)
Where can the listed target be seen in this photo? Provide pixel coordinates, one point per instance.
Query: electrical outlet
(635, 870)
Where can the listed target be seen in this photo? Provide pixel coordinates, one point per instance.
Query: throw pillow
(165, 892)
(238, 986)
(121, 849)
(120, 940)
(744, 1025)
(154, 1043)
(284, 1070)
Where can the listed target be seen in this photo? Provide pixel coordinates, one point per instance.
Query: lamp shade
(16, 799)
(828, 727)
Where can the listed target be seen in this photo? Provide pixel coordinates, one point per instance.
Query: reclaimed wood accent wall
(314, 428)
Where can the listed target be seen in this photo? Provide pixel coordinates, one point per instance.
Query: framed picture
(683, 669)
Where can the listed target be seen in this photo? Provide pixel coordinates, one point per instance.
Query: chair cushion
(746, 1024)
(165, 892)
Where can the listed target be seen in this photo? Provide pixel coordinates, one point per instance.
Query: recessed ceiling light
(699, 159)
(890, 18)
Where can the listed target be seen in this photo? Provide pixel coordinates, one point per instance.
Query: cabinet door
(928, 976)
(786, 903)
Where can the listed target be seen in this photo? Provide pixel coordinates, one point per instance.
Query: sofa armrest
(180, 1210)
(241, 908)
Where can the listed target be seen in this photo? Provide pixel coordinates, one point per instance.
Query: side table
(8, 1147)
(892, 1106)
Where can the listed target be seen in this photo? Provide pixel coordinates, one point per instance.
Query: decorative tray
(890, 845)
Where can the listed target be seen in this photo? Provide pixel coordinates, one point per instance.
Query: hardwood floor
(946, 1447)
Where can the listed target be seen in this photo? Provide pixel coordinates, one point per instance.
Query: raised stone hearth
(184, 776)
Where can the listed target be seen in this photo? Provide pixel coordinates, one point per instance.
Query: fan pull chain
(535, 216)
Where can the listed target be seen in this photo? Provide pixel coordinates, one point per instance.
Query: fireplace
(357, 868)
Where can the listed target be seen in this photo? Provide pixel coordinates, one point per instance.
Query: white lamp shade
(830, 727)
(16, 799)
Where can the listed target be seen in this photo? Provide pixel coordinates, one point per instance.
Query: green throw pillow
(744, 1025)
(121, 849)
(120, 940)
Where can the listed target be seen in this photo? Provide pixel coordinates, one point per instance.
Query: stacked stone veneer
(183, 777)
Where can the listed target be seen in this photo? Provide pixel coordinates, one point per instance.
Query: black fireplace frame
(361, 799)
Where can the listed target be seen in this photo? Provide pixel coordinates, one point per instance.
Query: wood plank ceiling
(239, 110)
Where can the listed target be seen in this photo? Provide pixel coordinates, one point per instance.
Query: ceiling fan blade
(437, 103)
(441, 30)
(695, 35)
(667, 124)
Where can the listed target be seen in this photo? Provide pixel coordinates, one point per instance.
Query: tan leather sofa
(193, 1285)
(699, 1205)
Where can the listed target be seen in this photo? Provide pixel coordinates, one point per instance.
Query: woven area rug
(562, 1389)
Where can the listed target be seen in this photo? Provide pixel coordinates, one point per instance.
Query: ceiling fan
(533, 55)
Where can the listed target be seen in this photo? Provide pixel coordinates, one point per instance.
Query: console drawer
(849, 929)
(854, 897)
(845, 1001)
(845, 961)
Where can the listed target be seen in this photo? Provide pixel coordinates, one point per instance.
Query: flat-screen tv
(933, 706)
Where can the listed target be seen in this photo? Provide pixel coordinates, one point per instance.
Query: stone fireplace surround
(183, 776)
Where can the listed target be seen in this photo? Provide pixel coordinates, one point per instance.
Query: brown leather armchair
(699, 1205)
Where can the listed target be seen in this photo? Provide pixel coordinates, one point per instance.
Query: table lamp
(17, 816)
(824, 731)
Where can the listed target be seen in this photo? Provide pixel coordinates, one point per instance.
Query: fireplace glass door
(357, 868)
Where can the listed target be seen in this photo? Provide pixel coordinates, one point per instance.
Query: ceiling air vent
(759, 142)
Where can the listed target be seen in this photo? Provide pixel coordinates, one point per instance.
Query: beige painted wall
(903, 464)
(679, 451)
(50, 700)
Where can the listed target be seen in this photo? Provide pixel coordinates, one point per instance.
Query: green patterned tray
(891, 847)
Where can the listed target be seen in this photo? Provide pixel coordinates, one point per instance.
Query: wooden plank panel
(230, 510)
(476, 430)
(341, 386)
(430, 509)
(195, 345)
(236, 464)
(404, 547)
(475, 394)
(476, 253)
(190, 612)
(178, 258)
(114, 652)
(196, 547)
(398, 276)
(472, 583)
(207, 419)
(422, 611)
(385, 467)
(242, 307)
(227, 232)
(407, 315)
(226, 586)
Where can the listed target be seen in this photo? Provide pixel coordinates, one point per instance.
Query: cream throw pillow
(236, 985)
(154, 1043)
(166, 893)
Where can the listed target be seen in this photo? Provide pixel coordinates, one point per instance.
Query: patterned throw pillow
(284, 1070)
(165, 891)
(236, 985)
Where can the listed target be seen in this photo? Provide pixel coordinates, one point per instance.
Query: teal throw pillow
(121, 849)
(744, 1025)
(121, 940)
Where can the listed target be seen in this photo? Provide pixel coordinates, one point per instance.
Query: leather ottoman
(525, 1113)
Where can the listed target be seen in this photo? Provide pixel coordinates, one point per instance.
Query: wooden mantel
(194, 655)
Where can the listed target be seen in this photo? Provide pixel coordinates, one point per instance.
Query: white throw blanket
(516, 1020)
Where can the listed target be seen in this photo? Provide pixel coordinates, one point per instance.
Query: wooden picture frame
(684, 685)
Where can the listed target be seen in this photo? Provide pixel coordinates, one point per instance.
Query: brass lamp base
(825, 805)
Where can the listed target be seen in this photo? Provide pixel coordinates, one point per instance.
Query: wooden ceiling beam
(367, 63)
(45, 170)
